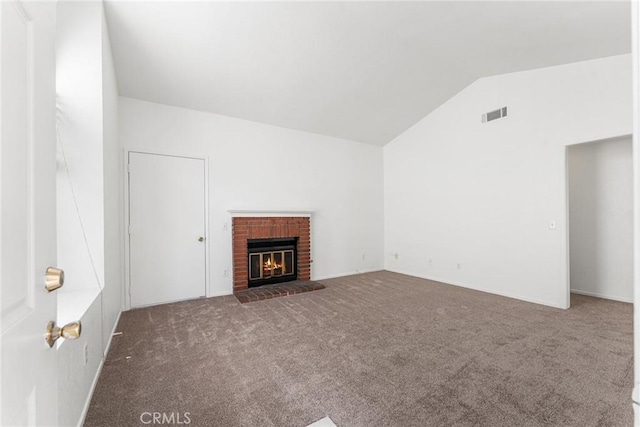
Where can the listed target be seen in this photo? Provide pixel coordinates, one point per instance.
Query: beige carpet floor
(378, 349)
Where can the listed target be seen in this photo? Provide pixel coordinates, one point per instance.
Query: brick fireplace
(245, 229)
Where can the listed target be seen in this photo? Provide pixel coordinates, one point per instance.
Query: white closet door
(166, 228)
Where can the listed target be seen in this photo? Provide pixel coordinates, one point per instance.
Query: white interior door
(27, 219)
(166, 228)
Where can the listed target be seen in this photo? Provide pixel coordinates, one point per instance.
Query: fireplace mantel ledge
(269, 212)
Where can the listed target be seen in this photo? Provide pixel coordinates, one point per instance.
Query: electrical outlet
(430, 262)
(225, 273)
(552, 225)
(459, 265)
(363, 257)
(86, 354)
(395, 255)
(225, 226)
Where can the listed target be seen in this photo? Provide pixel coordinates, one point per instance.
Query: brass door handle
(70, 331)
(201, 239)
(54, 279)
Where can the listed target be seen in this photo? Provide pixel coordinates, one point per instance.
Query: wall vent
(494, 115)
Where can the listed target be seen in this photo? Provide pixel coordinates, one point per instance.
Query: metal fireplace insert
(272, 261)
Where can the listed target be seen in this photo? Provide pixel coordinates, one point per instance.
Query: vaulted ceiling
(364, 71)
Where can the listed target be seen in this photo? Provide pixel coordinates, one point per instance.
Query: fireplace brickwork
(245, 228)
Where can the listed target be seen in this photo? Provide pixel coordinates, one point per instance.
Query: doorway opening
(600, 213)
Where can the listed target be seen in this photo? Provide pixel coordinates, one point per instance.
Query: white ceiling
(364, 71)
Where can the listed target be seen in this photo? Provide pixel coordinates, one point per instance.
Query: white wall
(79, 102)
(89, 199)
(601, 219)
(75, 379)
(341, 180)
(481, 196)
(113, 204)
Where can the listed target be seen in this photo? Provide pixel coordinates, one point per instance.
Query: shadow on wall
(82, 279)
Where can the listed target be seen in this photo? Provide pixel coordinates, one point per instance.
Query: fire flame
(268, 266)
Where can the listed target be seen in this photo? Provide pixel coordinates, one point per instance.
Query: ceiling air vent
(494, 115)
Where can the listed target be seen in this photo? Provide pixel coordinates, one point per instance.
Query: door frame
(125, 229)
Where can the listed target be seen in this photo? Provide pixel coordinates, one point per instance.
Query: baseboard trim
(481, 289)
(85, 410)
(351, 273)
(113, 331)
(597, 295)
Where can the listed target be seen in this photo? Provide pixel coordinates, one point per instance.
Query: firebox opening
(272, 261)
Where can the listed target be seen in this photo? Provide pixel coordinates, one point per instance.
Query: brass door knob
(54, 279)
(201, 239)
(70, 331)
